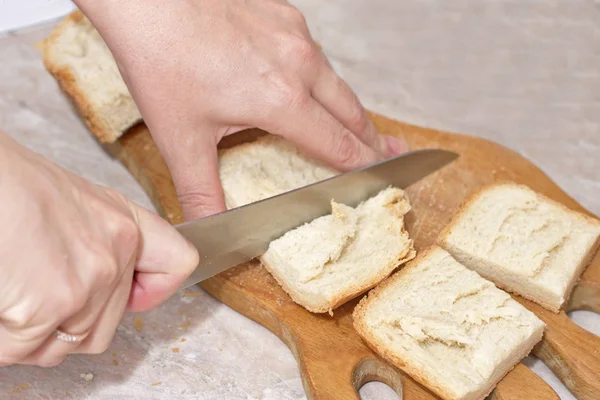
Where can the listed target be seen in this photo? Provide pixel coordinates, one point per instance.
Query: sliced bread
(523, 241)
(447, 327)
(77, 57)
(332, 259)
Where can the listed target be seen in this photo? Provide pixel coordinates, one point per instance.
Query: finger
(104, 328)
(165, 260)
(16, 345)
(195, 171)
(334, 94)
(52, 352)
(84, 322)
(321, 135)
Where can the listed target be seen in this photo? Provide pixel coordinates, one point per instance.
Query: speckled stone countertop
(524, 74)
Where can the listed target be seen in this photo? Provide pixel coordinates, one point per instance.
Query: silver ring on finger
(69, 337)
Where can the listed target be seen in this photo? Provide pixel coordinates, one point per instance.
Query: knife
(241, 234)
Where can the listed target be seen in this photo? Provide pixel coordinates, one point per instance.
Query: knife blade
(241, 234)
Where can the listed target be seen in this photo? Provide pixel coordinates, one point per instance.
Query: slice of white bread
(332, 259)
(447, 327)
(523, 241)
(77, 57)
(266, 167)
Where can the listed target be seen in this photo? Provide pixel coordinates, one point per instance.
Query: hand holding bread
(206, 69)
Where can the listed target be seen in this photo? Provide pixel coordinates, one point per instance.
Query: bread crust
(68, 83)
(359, 317)
(442, 240)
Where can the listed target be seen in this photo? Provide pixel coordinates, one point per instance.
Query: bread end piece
(77, 57)
(447, 327)
(523, 241)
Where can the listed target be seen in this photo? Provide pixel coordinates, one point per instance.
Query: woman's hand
(201, 69)
(74, 256)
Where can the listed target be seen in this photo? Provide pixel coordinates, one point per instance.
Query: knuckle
(288, 93)
(106, 269)
(123, 228)
(199, 202)
(357, 117)
(294, 15)
(71, 299)
(23, 315)
(348, 152)
(301, 51)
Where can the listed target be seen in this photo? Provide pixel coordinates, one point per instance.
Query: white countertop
(524, 74)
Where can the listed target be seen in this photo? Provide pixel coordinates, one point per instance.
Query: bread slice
(523, 241)
(447, 327)
(332, 259)
(266, 167)
(77, 57)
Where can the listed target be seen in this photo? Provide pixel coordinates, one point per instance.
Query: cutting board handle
(586, 295)
(573, 354)
(570, 351)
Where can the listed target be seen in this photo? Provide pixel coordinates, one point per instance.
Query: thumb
(164, 261)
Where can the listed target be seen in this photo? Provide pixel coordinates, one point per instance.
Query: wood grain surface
(333, 360)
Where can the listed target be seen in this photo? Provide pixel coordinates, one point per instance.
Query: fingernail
(396, 145)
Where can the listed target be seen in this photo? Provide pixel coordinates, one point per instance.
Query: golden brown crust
(67, 82)
(473, 197)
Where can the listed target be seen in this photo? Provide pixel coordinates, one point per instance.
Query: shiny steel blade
(238, 235)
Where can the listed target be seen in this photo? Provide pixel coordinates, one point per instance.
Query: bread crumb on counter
(88, 377)
(20, 388)
(138, 323)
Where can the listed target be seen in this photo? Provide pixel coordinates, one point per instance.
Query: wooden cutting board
(333, 361)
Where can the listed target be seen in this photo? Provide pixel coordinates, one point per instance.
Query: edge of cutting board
(333, 361)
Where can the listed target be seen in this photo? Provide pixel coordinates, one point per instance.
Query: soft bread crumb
(266, 167)
(523, 241)
(446, 326)
(87, 377)
(20, 388)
